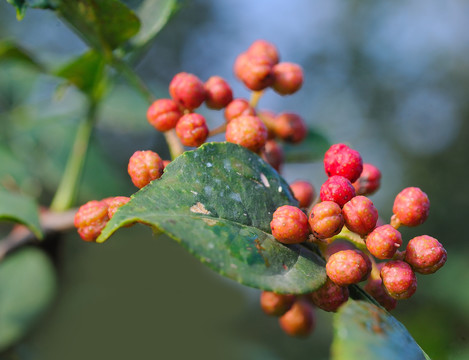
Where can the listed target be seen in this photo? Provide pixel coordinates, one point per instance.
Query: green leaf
(12, 51)
(86, 72)
(19, 208)
(364, 331)
(218, 202)
(310, 149)
(22, 5)
(153, 15)
(103, 24)
(27, 287)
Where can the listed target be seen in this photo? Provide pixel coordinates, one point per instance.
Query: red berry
(115, 204)
(238, 107)
(369, 180)
(272, 153)
(276, 304)
(299, 320)
(398, 279)
(383, 242)
(290, 128)
(303, 191)
(264, 48)
(239, 64)
(166, 163)
(163, 114)
(375, 288)
(90, 219)
(343, 161)
(288, 78)
(337, 189)
(330, 296)
(257, 73)
(144, 166)
(247, 131)
(348, 267)
(268, 118)
(411, 206)
(336, 246)
(326, 219)
(218, 93)
(289, 225)
(187, 90)
(360, 215)
(425, 254)
(192, 129)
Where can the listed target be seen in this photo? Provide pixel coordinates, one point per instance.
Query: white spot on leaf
(265, 181)
(199, 208)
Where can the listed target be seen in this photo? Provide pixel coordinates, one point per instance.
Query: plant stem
(355, 239)
(67, 189)
(218, 130)
(255, 97)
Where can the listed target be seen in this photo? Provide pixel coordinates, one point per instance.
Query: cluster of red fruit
(343, 203)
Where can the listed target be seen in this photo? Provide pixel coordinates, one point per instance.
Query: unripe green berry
(288, 78)
(289, 225)
(290, 128)
(187, 90)
(330, 296)
(383, 242)
(337, 189)
(144, 166)
(218, 93)
(303, 191)
(264, 48)
(343, 161)
(247, 131)
(90, 219)
(163, 114)
(348, 267)
(300, 320)
(399, 280)
(360, 215)
(238, 107)
(192, 129)
(276, 304)
(326, 219)
(411, 206)
(115, 204)
(272, 153)
(425, 254)
(369, 181)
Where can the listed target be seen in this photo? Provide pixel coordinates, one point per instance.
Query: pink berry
(115, 204)
(299, 320)
(218, 93)
(289, 225)
(90, 219)
(239, 64)
(166, 163)
(192, 129)
(264, 48)
(343, 161)
(326, 220)
(290, 128)
(276, 304)
(144, 166)
(272, 153)
(238, 107)
(375, 288)
(337, 189)
(330, 296)
(360, 215)
(398, 279)
(187, 90)
(247, 131)
(163, 114)
(348, 267)
(383, 242)
(303, 191)
(425, 254)
(411, 206)
(288, 78)
(257, 73)
(369, 180)
(336, 246)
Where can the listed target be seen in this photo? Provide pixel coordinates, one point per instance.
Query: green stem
(355, 239)
(67, 190)
(255, 97)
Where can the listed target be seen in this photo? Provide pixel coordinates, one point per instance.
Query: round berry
(187, 90)
(411, 206)
(166, 163)
(383, 242)
(238, 107)
(239, 64)
(90, 219)
(369, 181)
(272, 153)
(336, 246)
(330, 296)
(425, 254)
(115, 204)
(303, 191)
(264, 48)
(289, 225)
(247, 131)
(145, 166)
(398, 279)
(299, 320)
(218, 93)
(343, 161)
(163, 114)
(257, 73)
(337, 189)
(375, 288)
(276, 304)
(360, 215)
(326, 219)
(288, 78)
(290, 128)
(348, 267)
(192, 129)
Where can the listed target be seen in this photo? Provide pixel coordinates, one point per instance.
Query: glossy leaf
(364, 331)
(27, 287)
(311, 149)
(22, 5)
(19, 208)
(218, 202)
(12, 51)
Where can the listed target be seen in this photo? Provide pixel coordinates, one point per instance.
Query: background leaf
(21, 209)
(27, 287)
(311, 149)
(22, 5)
(12, 51)
(364, 331)
(218, 202)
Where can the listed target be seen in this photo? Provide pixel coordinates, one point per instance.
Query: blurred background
(391, 79)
